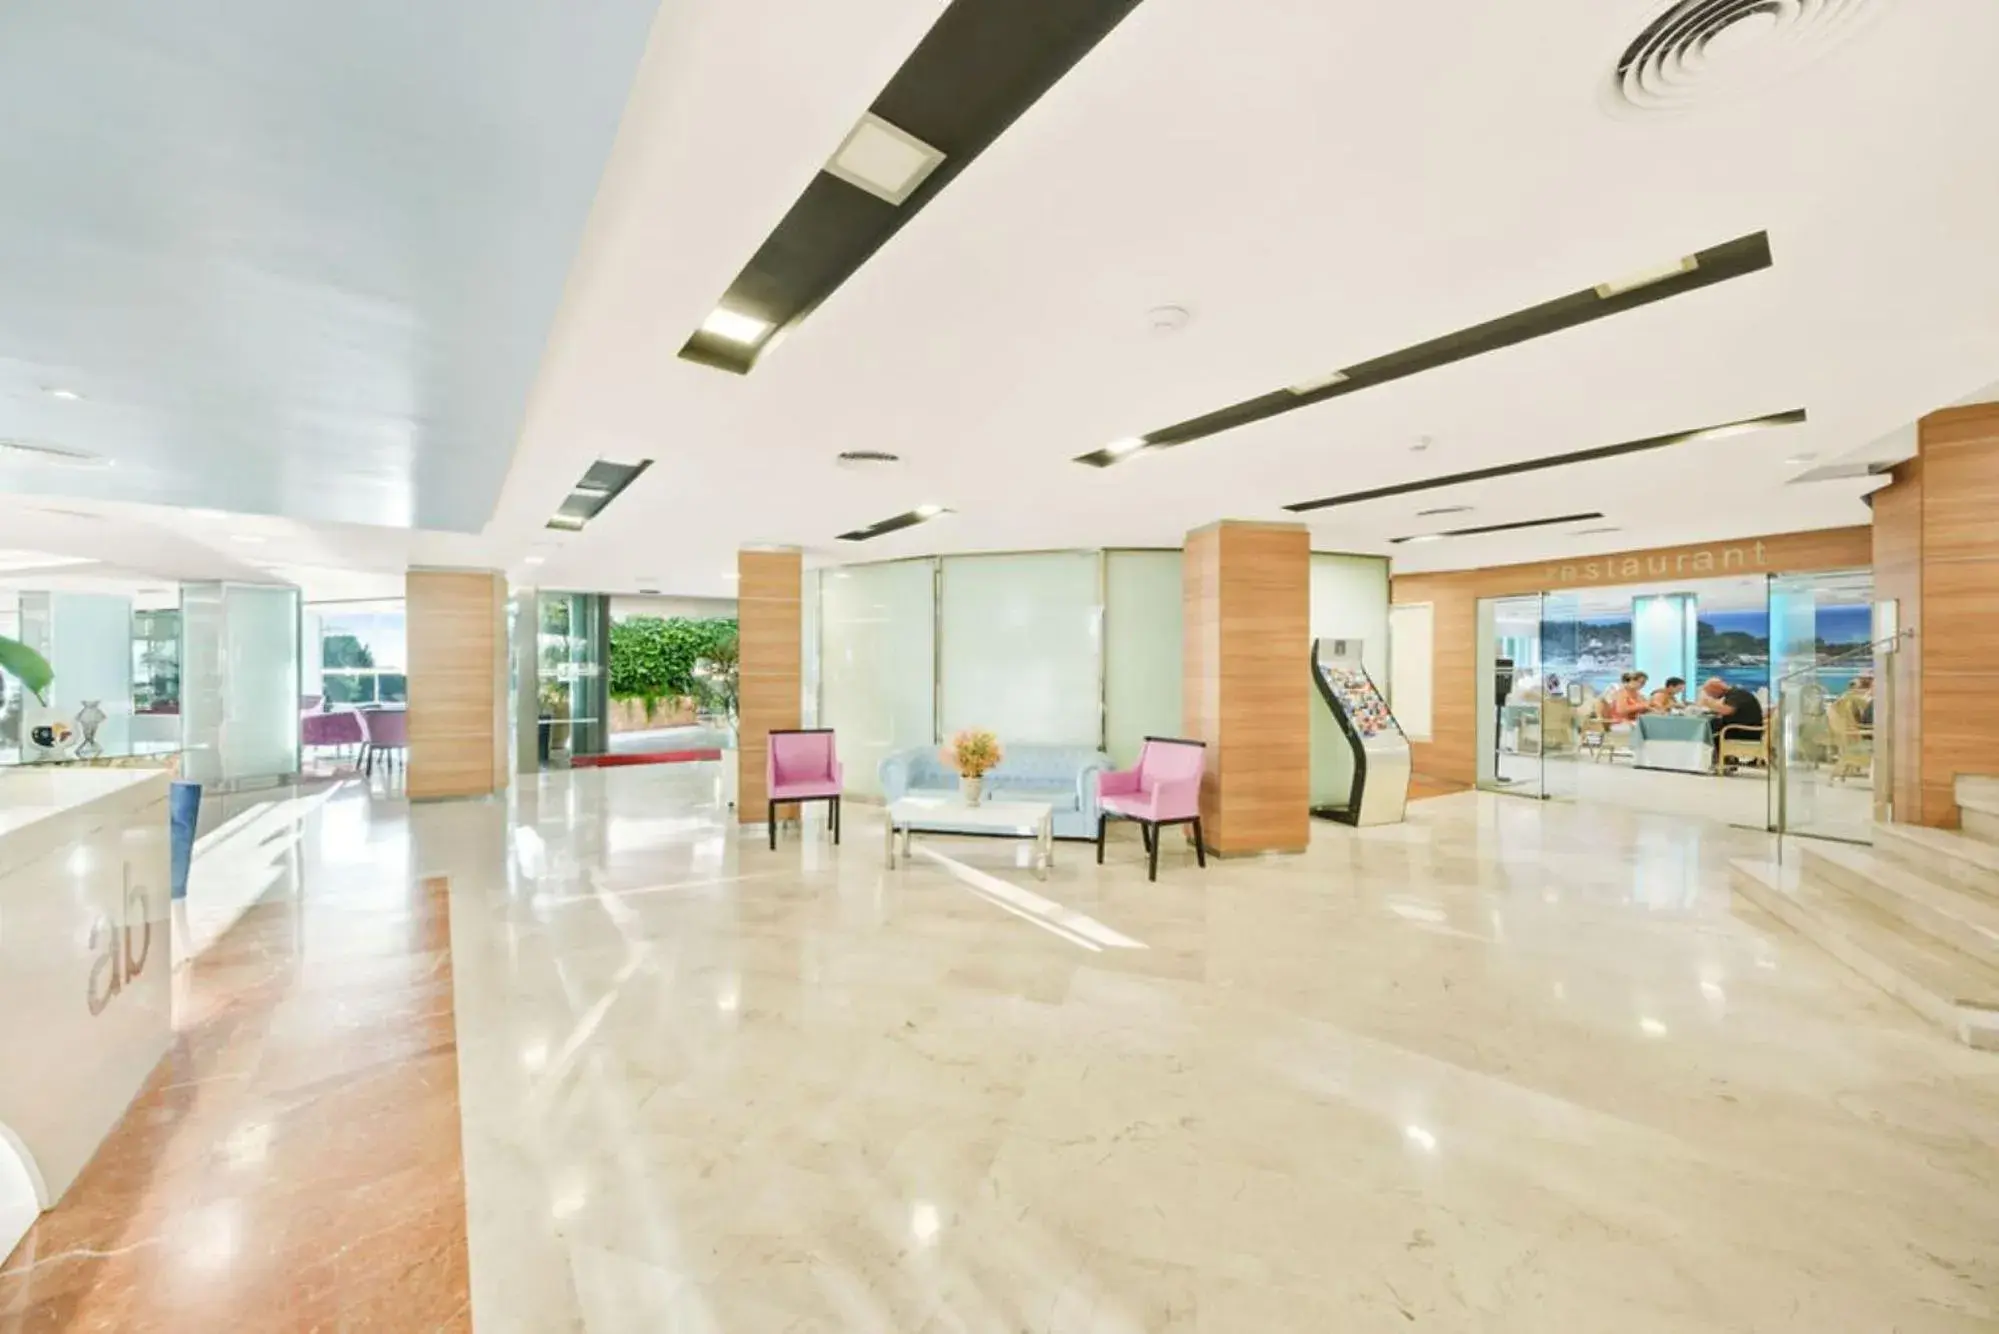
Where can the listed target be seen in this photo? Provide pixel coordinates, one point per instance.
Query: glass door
(1822, 705)
(1561, 694)
(1510, 689)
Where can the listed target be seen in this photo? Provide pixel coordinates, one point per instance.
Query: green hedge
(653, 658)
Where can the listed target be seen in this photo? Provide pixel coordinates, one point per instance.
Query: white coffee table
(949, 815)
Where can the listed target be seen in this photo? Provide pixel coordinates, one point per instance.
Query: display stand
(1380, 788)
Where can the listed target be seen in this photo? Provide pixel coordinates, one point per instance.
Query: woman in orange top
(1628, 700)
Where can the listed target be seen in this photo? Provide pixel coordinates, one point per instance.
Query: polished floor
(1818, 805)
(1509, 1066)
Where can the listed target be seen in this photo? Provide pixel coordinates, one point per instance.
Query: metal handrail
(1868, 650)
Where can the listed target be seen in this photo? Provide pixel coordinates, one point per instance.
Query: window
(363, 657)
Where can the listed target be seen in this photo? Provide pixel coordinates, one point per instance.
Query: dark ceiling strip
(895, 525)
(1791, 418)
(1731, 259)
(982, 64)
(1498, 527)
(603, 483)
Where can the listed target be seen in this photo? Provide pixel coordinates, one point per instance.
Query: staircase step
(1965, 921)
(1978, 806)
(1942, 854)
(1953, 991)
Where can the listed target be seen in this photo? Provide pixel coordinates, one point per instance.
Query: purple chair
(801, 766)
(1164, 789)
(340, 728)
(388, 734)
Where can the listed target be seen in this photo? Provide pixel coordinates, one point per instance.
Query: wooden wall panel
(457, 682)
(1246, 688)
(1451, 754)
(768, 611)
(1957, 674)
(1898, 576)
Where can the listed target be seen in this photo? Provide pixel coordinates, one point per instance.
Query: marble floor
(1508, 1066)
(1819, 806)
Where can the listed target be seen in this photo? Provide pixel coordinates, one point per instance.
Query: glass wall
(573, 695)
(1057, 648)
(1143, 636)
(878, 663)
(357, 653)
(1021, 647)
(241, 671)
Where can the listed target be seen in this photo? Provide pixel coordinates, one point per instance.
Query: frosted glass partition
(241, 673)
(1349, 600)
(88, 639)
(1411, 643)
(877, 663)
(1021, 646)
(1142, 641)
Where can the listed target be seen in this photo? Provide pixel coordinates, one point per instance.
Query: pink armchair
(801, 766)
(1164, 789)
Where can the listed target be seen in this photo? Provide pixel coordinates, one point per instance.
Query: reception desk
(1678, 742)
(85, 1009)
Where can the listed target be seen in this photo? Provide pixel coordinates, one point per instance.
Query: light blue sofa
(1063, 776)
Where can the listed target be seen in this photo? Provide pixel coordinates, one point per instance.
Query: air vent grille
(1702, 51)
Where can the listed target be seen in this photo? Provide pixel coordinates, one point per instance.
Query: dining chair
(386, 733)
(1163, 788)
(338, 729)
(801, 765)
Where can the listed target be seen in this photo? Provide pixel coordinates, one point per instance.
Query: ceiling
(294, 259)
(1318, 182)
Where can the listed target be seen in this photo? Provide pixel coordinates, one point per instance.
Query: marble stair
(1917, 914)
(1978, 806)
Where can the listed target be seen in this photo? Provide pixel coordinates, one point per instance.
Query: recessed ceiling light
(1799, 460)
(589, 489)
(1444, 509)
(1425, 537)
(731, 575)
(734, 325)
(1117, 449)
(885, 160)
(568, 523)
(1313, 386)
(1591, 532)
(66, 395)
(533, 560)
(930, 511)
(1658, 273)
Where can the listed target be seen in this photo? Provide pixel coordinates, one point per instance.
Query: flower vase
(972, 787)
(88, 719)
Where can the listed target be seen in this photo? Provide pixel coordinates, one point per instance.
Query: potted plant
(973, 753)
(28, 667)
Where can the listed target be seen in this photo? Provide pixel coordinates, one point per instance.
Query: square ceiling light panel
(884, 160)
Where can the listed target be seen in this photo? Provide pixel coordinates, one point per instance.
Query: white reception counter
(84, 969)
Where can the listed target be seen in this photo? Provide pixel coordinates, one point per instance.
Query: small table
(949, 815)
(1681, 743)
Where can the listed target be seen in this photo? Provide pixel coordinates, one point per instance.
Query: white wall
(1411, 665)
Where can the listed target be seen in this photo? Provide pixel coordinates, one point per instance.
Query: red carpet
(647, 757)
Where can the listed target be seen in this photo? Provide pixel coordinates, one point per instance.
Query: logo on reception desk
(122, 949)
(1623, 568)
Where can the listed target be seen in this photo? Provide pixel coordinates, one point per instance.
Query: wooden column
(457, 641)
(768, 585)
(1246, 684)
(1936, 552)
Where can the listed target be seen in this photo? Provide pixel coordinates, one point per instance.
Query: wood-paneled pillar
(1936, 553)
(1246, 683)
(768, 587)
(457, 640)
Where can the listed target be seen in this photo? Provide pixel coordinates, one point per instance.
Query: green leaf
(28, 666)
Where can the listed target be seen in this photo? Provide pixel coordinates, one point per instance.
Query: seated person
(1863, 687)
(1731, 706)
(1627, 702)
(1667, 697)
